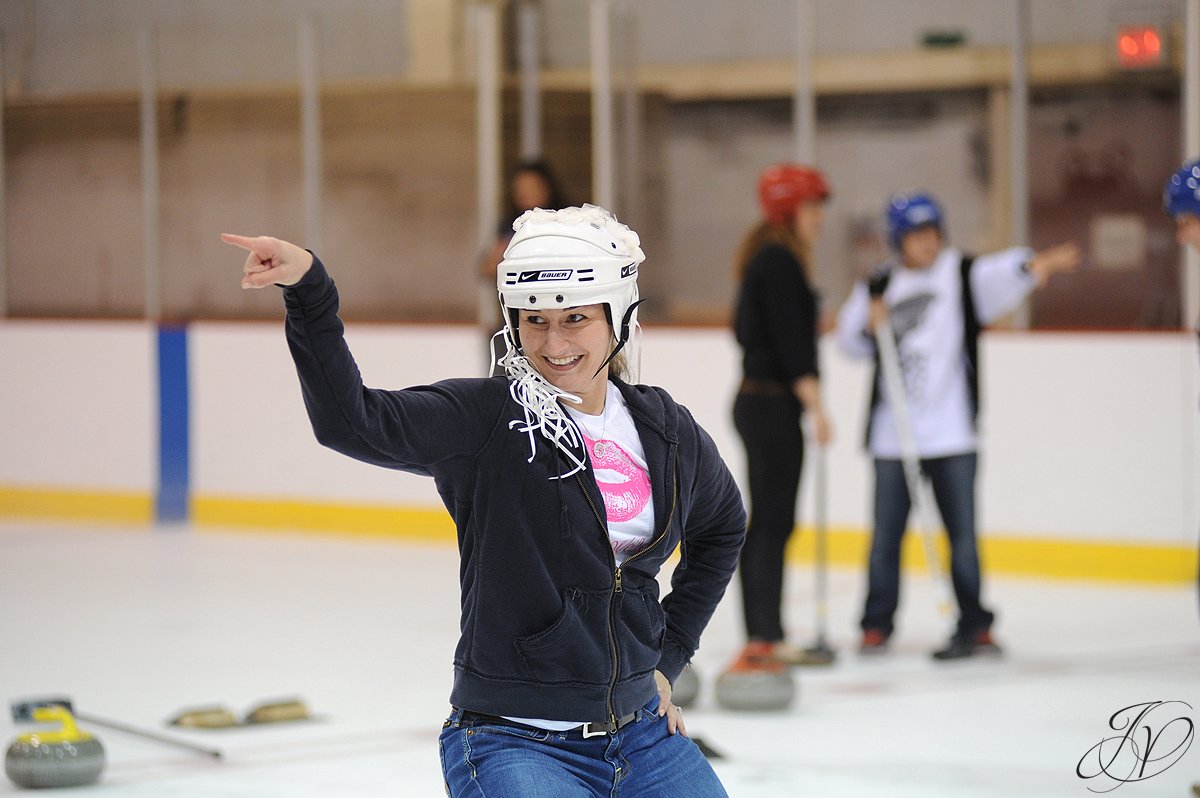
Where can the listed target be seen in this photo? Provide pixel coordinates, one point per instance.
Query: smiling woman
(570, 488)
(570, 348)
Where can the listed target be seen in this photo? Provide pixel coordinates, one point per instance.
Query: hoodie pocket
(643, 628)
(575, 649)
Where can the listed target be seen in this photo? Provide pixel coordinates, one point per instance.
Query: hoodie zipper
(617, 580)
(612, 632)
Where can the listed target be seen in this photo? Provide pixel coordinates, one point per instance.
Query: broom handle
(149, 735)
(822, 529)
(893, 379)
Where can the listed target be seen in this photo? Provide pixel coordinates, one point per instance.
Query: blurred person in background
(1181, 201)
(938, 300)
(776, 325)
(532, 184)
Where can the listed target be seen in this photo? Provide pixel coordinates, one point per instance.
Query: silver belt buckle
(596, 729)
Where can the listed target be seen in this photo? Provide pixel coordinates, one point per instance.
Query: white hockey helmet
(569, 258)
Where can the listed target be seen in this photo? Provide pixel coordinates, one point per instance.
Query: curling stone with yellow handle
(63, 757)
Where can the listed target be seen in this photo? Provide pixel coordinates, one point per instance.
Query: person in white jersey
(570, 488)
(1181, 201)
(937, 300)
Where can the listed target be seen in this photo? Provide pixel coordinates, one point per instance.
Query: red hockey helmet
(783, 186)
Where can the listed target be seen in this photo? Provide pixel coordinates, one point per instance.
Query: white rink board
(251, 435)
(1087, 436)
(78, 405)
(1091, 436)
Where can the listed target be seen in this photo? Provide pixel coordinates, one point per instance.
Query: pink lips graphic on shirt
(624, 499)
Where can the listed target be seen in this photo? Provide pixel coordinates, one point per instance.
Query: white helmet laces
(543, 414)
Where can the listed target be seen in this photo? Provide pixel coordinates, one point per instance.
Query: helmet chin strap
(624, 337)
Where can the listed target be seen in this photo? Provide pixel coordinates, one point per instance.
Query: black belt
(595, 729)
(757, 387)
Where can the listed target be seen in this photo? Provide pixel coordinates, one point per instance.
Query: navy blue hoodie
(550, 627)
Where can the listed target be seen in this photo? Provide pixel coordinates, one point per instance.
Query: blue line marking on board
(173, 440)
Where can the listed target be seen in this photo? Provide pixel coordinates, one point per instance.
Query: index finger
(259, 245)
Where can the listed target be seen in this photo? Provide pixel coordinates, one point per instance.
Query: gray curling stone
(757, 681)
(758, 691)
(686, 688)
(64, 758)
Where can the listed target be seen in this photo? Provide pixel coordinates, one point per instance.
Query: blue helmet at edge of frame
(907, 212)
(1182, 192)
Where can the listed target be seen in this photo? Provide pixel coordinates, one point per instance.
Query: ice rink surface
(135, 625)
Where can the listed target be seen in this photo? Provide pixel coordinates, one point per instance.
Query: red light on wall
(1140, 47)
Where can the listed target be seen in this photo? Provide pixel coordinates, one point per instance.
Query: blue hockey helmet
(1182, 192)
(907, 212)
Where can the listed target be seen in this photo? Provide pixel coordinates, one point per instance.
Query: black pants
(770, 430)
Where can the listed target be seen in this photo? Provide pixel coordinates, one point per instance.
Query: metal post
(487, 141)
(804, 103)
(3, 192)
(602, 105)
(152, 303)
(310, 129)
(631, 117)
(529, 23)
(1019, 137)
(487, 119)
(1190, 278)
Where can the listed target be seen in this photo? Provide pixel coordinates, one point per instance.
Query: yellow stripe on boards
(75, 505)
(1108, 561)
(341, 519)
(1104, 561)
(1022, 556)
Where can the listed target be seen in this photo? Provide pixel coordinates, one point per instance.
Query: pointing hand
(271, 261)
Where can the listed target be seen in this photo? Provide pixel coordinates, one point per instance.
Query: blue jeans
(641, 760)
(953, 480)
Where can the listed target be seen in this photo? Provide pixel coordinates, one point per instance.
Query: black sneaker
(961, 647)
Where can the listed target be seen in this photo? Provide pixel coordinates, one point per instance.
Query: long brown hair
(764, 234)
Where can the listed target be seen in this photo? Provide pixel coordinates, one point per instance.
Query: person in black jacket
(570, 488)
(776, 323)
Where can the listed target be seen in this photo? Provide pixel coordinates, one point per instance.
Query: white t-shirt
(925, 306)
(619, 464)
